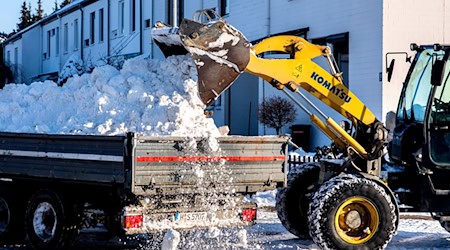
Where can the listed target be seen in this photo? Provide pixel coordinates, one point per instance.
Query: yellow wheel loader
(340, 204)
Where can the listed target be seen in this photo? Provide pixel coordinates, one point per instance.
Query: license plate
(191, 217)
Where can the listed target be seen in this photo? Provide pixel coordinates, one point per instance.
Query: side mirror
(436, 72)
(390, 70)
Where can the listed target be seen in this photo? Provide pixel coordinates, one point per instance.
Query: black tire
(48, 223)
(349, 212)
(445, 225)
(292, 201)
(11, 218)
(113, 223)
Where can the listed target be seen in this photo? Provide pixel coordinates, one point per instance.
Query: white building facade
(359, 32)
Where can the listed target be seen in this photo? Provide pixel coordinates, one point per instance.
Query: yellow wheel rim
(356, 220)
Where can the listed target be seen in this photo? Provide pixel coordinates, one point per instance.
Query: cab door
(439, 122)
(408, 136)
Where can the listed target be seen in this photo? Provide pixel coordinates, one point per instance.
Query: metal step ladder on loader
(340, 204)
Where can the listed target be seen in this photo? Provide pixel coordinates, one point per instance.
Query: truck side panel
(81, 158)
(164, 165)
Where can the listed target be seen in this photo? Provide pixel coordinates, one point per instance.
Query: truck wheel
(349, 212)
(11, 219)
(48, 223)
(445, 225)
(292, 201)
(113, 223)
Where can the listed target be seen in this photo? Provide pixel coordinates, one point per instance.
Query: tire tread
(325, 197)
(296, 178)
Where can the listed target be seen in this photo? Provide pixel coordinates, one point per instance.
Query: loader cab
(422, 132)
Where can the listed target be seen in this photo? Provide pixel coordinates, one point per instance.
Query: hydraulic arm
(301, 71)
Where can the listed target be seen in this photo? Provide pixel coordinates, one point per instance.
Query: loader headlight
(437, 47)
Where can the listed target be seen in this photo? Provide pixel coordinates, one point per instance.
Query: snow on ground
(147, 96)
(417, 231)
(269, 234)
(412, 234)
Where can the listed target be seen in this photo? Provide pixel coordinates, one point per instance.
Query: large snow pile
(150, 97)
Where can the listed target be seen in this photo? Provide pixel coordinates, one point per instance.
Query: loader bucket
(221, 53)
(168, 40)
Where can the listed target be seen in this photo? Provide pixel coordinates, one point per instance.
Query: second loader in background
(340, 204)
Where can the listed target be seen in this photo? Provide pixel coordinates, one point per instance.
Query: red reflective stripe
(207, 158)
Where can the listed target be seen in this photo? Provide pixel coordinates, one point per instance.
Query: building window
(49, 35)
(121, 17)
(224, 7)
(57, 42)
(75, 35)
(92, 34)
(147, 23)
(174, 5)
(101, 25)
(66, 37)
(339, 45)
(8, 57)
(133, 15)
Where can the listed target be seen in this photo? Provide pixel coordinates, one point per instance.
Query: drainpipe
(141, 30)
(108, 30)
(82, 33)
(175, 13)
(151, 40)
(59, 43)
(41, 61)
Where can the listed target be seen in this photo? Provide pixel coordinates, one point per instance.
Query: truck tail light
(249, 214)
(132, 221)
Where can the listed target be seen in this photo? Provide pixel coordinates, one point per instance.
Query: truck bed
(141, 165)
